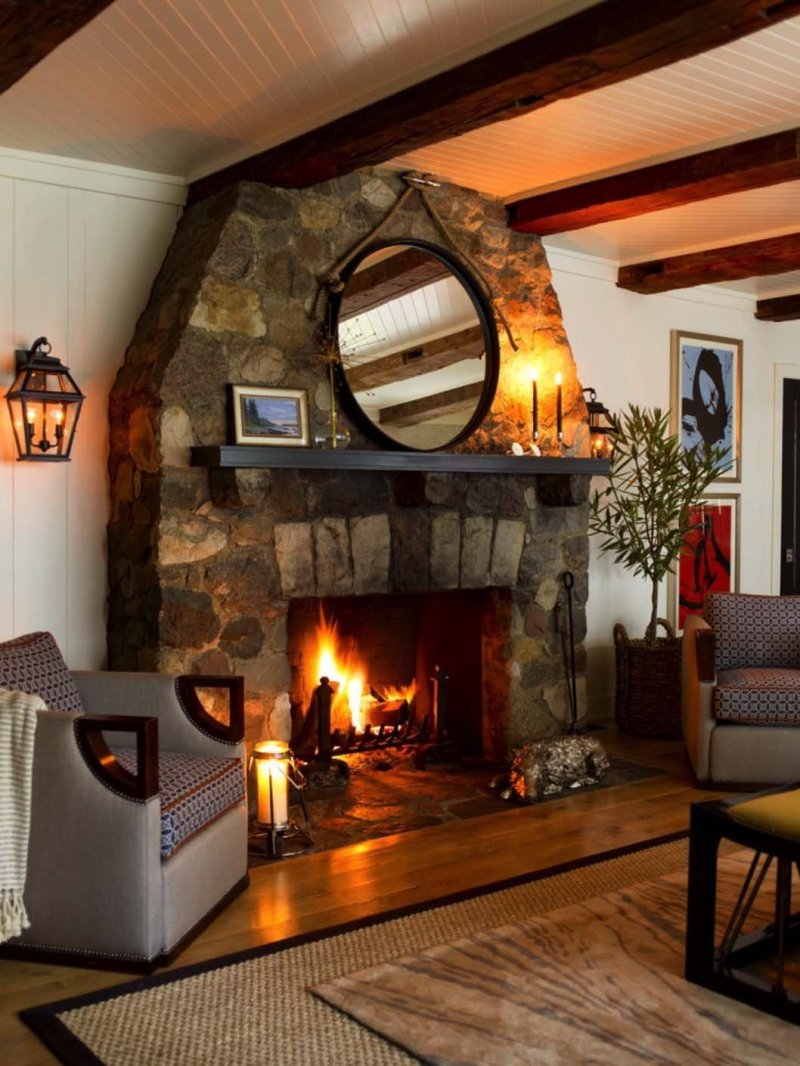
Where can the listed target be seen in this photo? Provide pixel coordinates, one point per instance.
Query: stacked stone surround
(203, 563)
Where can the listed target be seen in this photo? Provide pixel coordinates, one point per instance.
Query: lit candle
(58, 423)
(559, 412)
(535, 405)
(273, 787)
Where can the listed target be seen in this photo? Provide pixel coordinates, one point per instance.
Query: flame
(340, 662)
(400, 692)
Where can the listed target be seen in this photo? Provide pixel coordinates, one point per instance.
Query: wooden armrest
(231, 732)
(142, 785)
(706, 647)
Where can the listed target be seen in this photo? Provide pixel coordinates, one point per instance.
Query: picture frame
(709, 561)
(262, 415)
(706, 394)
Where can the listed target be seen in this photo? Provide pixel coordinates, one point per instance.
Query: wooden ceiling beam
(423, 359)
(31, 29)
(779, 309)
(604, 44)
(389, 279)
(750, 164)
(434, 406)
(775, 255)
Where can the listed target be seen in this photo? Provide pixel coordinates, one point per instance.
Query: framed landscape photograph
(709, 561)
(707, 394)
(269, 416)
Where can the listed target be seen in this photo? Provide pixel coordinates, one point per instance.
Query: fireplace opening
(403, 666)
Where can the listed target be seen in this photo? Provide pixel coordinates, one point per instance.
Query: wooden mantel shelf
(278, 457)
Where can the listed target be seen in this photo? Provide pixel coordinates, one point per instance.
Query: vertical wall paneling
(79, 250)
(83, 560)
(41, 306)
(7, 453)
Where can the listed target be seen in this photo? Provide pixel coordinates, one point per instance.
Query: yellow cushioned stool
(769, 824)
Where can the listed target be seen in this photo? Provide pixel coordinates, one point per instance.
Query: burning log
(389, 712)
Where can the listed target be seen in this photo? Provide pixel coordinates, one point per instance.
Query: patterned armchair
(741, 689)
(138, 813)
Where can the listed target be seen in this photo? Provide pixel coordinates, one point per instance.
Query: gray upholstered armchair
(741, 689)
(138, 815)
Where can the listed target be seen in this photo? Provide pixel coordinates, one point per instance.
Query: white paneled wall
(621, 344)
(80, 246)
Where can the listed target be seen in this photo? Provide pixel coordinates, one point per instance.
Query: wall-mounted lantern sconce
(599, 426)
(44, 402)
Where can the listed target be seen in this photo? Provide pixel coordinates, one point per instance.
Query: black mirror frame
(483, 309)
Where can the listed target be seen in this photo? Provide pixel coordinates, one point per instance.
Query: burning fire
(339, 661)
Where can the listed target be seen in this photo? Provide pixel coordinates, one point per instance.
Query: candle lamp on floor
(276, 773)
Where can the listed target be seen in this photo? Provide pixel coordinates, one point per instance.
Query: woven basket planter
(648, 685)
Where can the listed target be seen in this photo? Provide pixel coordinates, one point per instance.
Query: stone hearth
(203, 564)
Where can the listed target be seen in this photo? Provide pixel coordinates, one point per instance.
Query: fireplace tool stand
(443, 748)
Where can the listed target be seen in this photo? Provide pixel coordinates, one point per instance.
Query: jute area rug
(256, 1007)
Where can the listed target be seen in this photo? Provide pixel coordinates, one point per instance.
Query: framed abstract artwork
(269, 416)
(707, 395)
(709, 561)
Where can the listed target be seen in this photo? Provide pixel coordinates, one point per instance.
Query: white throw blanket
(17, 728)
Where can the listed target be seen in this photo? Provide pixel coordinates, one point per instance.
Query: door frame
(781, 371)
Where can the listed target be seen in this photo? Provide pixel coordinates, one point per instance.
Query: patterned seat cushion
(758, 696)
(754, 630)
(33, 664)
(194, 790)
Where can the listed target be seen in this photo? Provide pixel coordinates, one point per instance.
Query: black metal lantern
(599, 426)
(44, 402)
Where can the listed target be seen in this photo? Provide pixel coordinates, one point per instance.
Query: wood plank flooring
(319, 891)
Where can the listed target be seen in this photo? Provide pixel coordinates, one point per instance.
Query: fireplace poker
(568, 581)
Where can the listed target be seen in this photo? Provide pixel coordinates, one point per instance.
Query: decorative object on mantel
(642, 518)
(45, 403)
(599, 425)
(269, 416)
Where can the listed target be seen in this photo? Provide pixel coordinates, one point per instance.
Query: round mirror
(418, 346)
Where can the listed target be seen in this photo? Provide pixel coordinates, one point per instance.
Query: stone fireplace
(210, 568)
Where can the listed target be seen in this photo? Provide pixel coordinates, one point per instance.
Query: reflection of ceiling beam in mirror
(440, 403)
(421, 359)
(390, 278)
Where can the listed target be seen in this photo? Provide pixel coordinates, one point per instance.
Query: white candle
(273, 802)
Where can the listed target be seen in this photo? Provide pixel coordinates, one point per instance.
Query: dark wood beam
(747, 165)
(779, 309)
(31, 29)
(775, 255)
(424, 359)
(607, 43)
(389, 279)
(434, 406)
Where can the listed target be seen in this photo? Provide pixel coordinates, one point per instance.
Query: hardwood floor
(318, 891)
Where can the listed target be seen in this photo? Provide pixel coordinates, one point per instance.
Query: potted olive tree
(642, 517)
